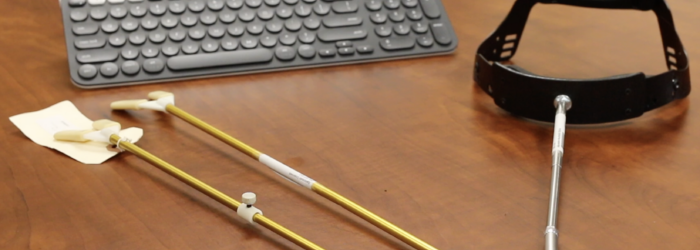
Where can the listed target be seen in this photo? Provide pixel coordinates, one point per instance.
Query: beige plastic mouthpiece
(158, 94)
(72, 135)
(104, 123)
(127, 104)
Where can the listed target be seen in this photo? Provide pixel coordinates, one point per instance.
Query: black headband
(609, 99)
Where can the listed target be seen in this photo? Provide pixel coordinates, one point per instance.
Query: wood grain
(412, 140)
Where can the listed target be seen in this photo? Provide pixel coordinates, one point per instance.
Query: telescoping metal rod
(211, 192)
(562, 103)
(164, 101)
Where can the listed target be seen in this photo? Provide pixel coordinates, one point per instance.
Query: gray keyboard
(123, 42)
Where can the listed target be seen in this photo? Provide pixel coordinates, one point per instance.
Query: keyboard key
(210, 46)
(307, 37)
(284, 12)
(291, 2)
(365, 49)
(76, 3)
(309, 1)
(216, 31)
(208, 18)
(392, 4)
(306, 51)
(170, 49)
(153, 65)
(383, 31)
(190, 48)
(249, 42)
(78, 15)
(378, 18)
(397, 15)
(98, 13)
(344, 6)
(229, 44)
(274, 26)
(176, 7)
(302, 10)
(215, 5)
(342, 21)
(288, 39)
(137, 38)
(157, 36)
(130, 24)
(117, 40)
(402, 29)
(169, 21)
(410, 3)
(292, 24)
(130, 68)
(130, 53)
(425, 40)
(90, 42)
(272, 3)
(110, 26)
(397, 43)
(268, 41)
(321, 9)
(197, 33)
(227, 16)
(246, 15)
(255, 28)
(414, 15)
(234, 4)
(442, 35)
(195, 6)
(157, 8)
(109, 69)
(430, 8)
(253, 3)
(326, 52)
(236, 29)
(149, 23)
(285, 53)
(346, 51)
(312, 23)
(219, 59)
(137, 10)
(420, 27)
(188, 20)
(332, 35)
(177, 35)
(87, 71)
(343, 44)
(374, 5)
(85, 29)
(96, 2)
(266, 14)
(97, 56)
(118, 11)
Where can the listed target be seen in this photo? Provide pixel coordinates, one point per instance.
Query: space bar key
(220, 59)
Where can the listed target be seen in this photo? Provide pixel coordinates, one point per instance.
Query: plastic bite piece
(72, 135)
(155, 95)
(127, 104)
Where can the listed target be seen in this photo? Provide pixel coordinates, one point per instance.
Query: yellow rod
(212, 192)
(317, 187)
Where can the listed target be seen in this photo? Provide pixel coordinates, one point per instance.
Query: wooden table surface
(415, 141)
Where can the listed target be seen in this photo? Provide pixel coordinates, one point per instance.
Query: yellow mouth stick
(165, 101)
(107, 131)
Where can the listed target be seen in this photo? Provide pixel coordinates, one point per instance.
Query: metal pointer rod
(551, 235)
(106, 131)
(165, 101)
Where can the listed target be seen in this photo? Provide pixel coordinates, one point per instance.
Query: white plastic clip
(158, 100)
(101, 131)
(246, 210)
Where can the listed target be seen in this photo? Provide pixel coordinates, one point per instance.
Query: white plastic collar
(248, 213)
(158, 104)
